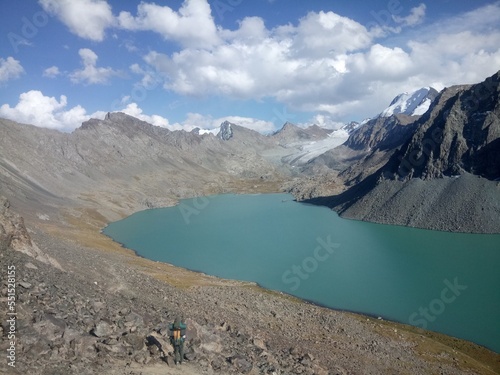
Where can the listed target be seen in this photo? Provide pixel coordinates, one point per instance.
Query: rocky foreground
(103, 310)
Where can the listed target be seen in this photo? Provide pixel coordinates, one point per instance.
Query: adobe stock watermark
(139, 92)
(428, 314)
(29, 28)
(282, 115)
(417, 157)
(193, 206)
(385, 17)
(11, 330)
(221, 7)
(482, 92)
(298, 273)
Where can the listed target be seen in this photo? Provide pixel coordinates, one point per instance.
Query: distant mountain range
(422, 141)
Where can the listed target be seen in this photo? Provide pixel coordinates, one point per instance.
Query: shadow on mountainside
(343, 201)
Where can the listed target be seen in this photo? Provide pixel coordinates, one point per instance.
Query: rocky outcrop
(383, 133)
(461, 133)
(15, 236)
(225, 132)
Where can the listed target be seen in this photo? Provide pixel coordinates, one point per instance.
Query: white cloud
(323, 121)
(258, 125)
(88, 19)
(196, 120)
(51, 72)
(415, 17)
(326, 33)
(326, 63)
(10, 69)
(91, 74)
(330, 65)
(191, 26)
(44, 111)
(133, 109)
(150, 78)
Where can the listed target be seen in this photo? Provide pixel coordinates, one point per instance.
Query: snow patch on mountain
(415, 103)
(304, 152)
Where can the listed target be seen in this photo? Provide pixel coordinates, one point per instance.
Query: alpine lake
(441, 281)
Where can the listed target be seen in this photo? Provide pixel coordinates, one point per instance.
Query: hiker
(177, 338)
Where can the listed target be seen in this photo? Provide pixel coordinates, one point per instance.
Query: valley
(435, 169)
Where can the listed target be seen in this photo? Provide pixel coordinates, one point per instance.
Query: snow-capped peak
(415, 103)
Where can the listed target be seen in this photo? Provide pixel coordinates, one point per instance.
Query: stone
(260, 344)
(135, 341)
(241, 364)
(102, 329)
(134, 319)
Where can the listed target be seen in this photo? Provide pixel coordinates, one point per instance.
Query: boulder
(102, 329)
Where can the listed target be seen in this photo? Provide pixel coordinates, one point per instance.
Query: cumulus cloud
(133, 109)
(326, 63)
(91, 74)
(51, 72)
(10, 68)
(191, 26)
(37, 109)
(44, 111)
(88, 19)
(326, 33)
(333, 65)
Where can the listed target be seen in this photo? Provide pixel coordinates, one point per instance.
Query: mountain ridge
(443, 176)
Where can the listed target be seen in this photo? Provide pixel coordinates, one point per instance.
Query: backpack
(177, 332)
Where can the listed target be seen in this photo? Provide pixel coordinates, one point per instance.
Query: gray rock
(102, 329)
(241, 364)
(135, 341)
(25, 285)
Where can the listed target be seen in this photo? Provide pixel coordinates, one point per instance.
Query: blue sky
(195, 63)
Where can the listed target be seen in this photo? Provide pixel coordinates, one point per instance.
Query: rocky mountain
(299, 145)
(353, 125)
(461, 134)
(445, 176)
(369, 145)
(138, 164)
(291, 134)
(226, 131)
(382, 132)
(394, 124)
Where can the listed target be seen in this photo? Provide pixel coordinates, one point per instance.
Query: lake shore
(237, 327)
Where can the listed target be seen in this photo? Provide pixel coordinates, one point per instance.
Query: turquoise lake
(445, 282)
